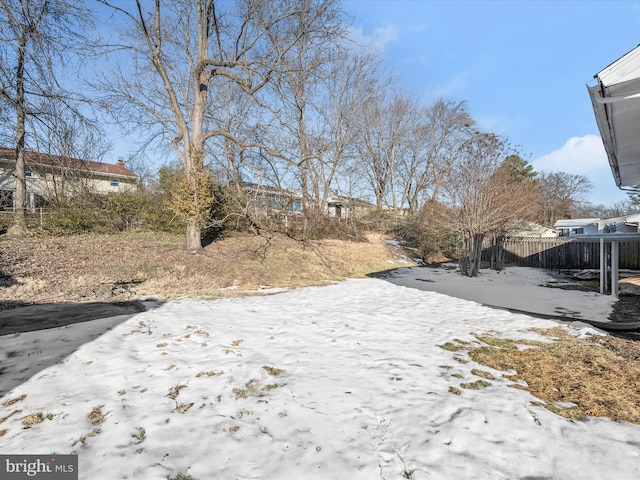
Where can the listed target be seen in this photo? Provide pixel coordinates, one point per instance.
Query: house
(624, 224)
(616, 104)
(51, 176)
(341, 206)
(632, 223)
(598, 226)
(531, 230)
(577, 226)
(268, 200)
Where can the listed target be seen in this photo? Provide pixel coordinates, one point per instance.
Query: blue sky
(521, 66)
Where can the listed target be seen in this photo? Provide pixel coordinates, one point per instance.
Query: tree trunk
(470, 262)
(19, 226)
(193, 241)
(477, 254)
(497, 253)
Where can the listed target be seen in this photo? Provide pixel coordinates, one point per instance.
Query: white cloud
(579, 155)
(584, 156)
(378, 39)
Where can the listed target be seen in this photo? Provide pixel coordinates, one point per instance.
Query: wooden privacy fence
(556, 253)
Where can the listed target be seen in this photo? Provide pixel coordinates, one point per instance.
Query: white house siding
(598, 226)
(41, 183)
(577, 226)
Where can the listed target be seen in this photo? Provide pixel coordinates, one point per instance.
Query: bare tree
(382, 142)
(562, 193)
(297, 90)
(431, 143)
(483, 198)
(615, 209)
(351, 83)
(36, 40)
(180, 51)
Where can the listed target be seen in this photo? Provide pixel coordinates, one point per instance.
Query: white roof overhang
(616, 104)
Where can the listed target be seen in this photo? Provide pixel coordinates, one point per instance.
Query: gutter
(606, 100)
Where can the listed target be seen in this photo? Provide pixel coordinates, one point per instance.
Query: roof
(612, 221)
(35, 158)
(635, 218)
(575, 222)
(616, 105)
(342, 200)
(269, 190)
(529, 229)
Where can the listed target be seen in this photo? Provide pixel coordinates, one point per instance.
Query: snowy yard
(339, 382)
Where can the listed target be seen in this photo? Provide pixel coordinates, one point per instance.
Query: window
(114, 182)
(6, 199)
(28, 172)
(39, 201)
(275, 204)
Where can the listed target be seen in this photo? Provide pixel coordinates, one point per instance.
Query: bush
(111, 213)
(380, 221)
(83, 213)
(316, 226)
(428, 232)
(146, 210)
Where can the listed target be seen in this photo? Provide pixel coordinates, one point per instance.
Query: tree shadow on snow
(35, 337)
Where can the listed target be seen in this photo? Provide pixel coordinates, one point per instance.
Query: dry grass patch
(477, 385)
(175, 391)
(574, 377)
(483, 374)
(11, 401)
(452, 347)
(129, 265)
(276, 372)
(209, 373)
(182, 409)
(251, 390)
(96, 416)
(32, 420)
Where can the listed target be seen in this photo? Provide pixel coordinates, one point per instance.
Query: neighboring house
(619, 224)
(598, 226)
(577, 226)
(50, 176)
(268, 200)
(632, 223)
(532, 230)
(341, 206)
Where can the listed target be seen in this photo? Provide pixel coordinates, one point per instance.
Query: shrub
(428, 232)
(110, 213)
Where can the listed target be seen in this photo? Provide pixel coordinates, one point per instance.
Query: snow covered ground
(515, 287)
(355, 387)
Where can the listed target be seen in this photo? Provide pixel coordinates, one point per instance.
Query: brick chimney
(120, 163)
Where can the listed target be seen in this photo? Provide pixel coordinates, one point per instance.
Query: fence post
(614, 268)
(603, 267)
